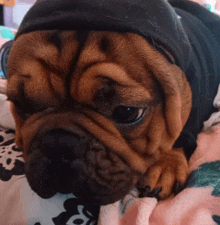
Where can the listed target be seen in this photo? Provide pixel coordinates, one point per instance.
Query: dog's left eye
(124, 114)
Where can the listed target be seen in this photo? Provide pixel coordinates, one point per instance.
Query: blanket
(198, 203)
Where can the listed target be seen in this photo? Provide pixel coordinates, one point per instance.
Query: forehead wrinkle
(46, 51)
(90, 54)
(81, 38)
(91, 77)
(52, 54)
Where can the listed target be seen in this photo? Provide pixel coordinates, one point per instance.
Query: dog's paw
(165, 177)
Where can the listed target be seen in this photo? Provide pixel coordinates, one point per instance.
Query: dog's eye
(125, 114)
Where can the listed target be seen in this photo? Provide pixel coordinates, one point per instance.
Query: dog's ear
(175, 92)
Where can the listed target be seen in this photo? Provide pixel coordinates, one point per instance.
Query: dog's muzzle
(62, 146)
(61, 161)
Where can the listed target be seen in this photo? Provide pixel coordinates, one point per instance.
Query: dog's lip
(94, 199)
(45, 194)
(49, 193)
(100, 199)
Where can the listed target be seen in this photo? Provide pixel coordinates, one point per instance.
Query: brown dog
(99, 117)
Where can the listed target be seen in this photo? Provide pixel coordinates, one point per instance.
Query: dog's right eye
(127, 115)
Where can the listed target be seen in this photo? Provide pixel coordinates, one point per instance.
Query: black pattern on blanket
(12, 166)
(11, 161)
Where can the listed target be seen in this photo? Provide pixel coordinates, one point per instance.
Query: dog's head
(93, 110)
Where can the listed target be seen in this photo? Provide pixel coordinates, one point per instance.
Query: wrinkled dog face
(87, 109)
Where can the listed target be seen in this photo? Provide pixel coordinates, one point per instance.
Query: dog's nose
(62, 145)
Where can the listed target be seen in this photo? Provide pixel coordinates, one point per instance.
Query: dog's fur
(65, 96)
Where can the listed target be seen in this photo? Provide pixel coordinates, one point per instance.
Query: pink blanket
(197, 204)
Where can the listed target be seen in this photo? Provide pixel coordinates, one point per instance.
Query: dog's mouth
(96, 175)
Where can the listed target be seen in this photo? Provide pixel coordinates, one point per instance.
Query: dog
(99, 111)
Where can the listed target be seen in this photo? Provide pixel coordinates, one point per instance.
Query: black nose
(62, 145)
